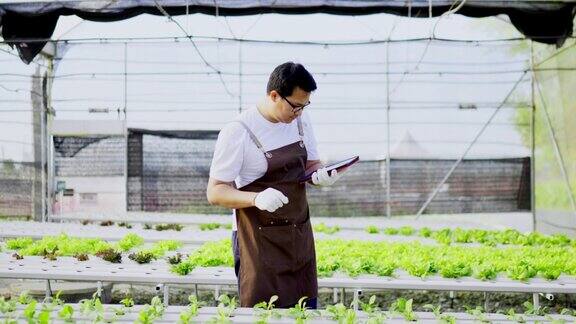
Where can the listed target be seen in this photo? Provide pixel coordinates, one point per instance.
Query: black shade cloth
(548, 22)
(69, 146)
(182, 134)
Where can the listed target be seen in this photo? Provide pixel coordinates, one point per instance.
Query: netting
(425, 103)
(555, 135)
(477, 186)
(168, 171)
(17, 181)
(89, 156)
(20, 176)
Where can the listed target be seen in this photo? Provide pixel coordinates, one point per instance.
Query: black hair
(287, 76)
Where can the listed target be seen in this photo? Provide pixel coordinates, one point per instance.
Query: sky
(168, 87)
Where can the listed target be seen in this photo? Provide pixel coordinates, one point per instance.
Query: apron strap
(255, 139)
(300, 131)
(259, 145)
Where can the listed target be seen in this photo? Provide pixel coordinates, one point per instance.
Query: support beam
(125, 129)
(532, 144)
(48, 292)
(99, 289)
(388, 141)
(38, 131)
(216, 293)
(335, 295)
(166, 295)
(356, 299)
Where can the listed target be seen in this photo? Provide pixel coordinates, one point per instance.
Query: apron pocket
(276, 245)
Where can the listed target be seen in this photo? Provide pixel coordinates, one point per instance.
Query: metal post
(43, 162)
(388, 209)
(44, 134)
(355, 300)
(536, 300)
(43, 139)
(125, 76)
(335, 295)
(99, 289)
(48, 143)
(532, 144)
(126, 142)
(48, 292)
(166, 292)
(216, 293)
(51, 192)
(37, 98)
(131, 290)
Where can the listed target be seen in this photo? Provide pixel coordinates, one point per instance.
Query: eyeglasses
(295, 108)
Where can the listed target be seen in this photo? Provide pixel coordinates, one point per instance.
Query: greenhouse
(169, 161)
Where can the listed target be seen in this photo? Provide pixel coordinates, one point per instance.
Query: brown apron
(277, 249)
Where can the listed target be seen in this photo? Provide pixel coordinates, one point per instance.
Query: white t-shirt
(236, 156)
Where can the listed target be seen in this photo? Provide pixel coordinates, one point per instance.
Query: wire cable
(468, 148)
(189, 37)
(178, 39)
(324, 73)
(432, 35)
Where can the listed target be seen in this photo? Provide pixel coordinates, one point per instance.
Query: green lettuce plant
(403, 306)
(265, 311)
(187, 316)
(323, 228)
(300, 312)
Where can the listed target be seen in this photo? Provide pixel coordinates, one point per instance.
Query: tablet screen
(341, 164)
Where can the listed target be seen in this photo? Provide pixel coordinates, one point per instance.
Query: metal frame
(158, 273)
(388, 181)
(248, 315)
(193, 236)
(125, 128)
(532, 144)
(107, 233)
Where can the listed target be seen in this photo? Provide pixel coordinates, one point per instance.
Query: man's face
(290, 107)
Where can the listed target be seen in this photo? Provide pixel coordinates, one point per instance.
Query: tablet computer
(334, 166)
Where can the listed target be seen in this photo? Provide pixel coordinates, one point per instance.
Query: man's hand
(322, 178)
(270, 200)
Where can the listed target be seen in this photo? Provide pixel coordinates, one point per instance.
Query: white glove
(270, 200)
(322, 178)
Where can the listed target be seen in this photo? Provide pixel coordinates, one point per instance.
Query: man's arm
(224, 194)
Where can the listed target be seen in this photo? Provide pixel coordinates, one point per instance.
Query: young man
(257, 163)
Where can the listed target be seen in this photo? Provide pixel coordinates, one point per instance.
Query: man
(257, 163)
